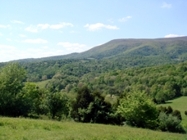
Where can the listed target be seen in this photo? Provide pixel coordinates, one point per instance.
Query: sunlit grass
(42, 84)
(27, 129)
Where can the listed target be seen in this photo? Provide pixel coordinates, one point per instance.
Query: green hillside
(27, 129)
(172, 47)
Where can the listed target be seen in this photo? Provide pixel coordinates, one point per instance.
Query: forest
(105, 88)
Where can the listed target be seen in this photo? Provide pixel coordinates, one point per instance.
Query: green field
(181, 105)
(42, 84)
(28, 129)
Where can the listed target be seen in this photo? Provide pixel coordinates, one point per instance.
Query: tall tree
(11, 83)
(58, 105)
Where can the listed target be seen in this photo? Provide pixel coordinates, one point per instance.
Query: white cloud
(166, 5)
(1, 34)
(61, 25)
(124, 19)
(98, 26)
(4, 26)
(72, 47)
(111, 20)
(35, 41)
(32, 29)
(8, 53)
(22, 35)
(172, 35)
(38, 27)
(17, 21)
(43, 26)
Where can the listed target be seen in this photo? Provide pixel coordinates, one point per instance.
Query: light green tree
(138, 110)
(12, 101)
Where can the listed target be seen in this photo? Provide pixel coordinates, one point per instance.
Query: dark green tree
(100, 110)
(80, 108)
(58, 105)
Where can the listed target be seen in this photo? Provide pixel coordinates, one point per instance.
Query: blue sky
(40, 28)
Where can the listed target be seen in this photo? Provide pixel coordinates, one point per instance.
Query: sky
(41, 28)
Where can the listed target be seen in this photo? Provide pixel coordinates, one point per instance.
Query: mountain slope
(173, 47)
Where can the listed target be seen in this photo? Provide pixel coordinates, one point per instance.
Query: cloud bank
(172, 35)
(99, 26)
(35, 29)
(166, 5)
(35, 41)
(124, 19)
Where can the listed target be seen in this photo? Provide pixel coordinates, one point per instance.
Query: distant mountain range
(172, 48)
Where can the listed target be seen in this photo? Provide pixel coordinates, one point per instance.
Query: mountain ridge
(127, 47)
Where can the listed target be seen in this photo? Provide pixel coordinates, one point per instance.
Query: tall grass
(28, 129)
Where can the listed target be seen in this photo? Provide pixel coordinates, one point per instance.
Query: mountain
(173, 48)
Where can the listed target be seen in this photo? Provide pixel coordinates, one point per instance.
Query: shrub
(177, 113)
(138, 110)
(170, 123)
(185, 112)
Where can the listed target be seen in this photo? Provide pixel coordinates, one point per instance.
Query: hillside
(173, 47)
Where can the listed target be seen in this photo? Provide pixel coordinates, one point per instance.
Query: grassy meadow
(28, 129)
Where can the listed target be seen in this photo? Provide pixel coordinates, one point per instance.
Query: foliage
(58, 105)
(170, 123)
(101, 111)
(81, 106)
(170, 120)
(91, 107)
(162, 83)
(138, 110)
(12, 101)
(37, 98)
(185, 112)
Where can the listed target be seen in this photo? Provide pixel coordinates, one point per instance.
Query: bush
(185, 112)
(177, 113)
(138, 110)
(170, 123)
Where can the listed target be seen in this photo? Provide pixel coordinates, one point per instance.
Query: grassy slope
(27, 129)
(42, 84)
(181, 105)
